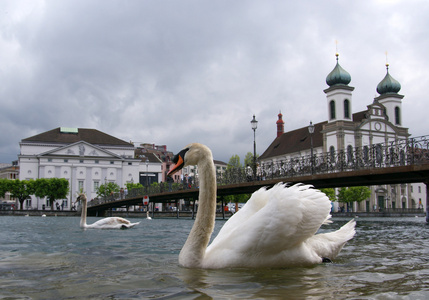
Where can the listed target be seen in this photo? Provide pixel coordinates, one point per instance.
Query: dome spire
(388, 85)
(338, 75)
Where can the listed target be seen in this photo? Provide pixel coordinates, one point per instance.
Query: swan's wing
(277, 219)
(330, 244)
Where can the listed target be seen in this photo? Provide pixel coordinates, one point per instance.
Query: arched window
(397, 116)
(346, 109)
(349, 153)
(332, 109)
(332, 153)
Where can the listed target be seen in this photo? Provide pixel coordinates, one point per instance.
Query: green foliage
(353, 194)
(234, 162)
(21, 189)
(241, 198)
(107, 189)
(132, 185)
(248, 159)
(4, 186)
(52, 188)
(330, 192)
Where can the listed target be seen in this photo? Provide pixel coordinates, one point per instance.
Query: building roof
(294, 141)
(299, 139)
(72, 135)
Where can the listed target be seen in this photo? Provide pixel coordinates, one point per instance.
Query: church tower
(339, 94)
(388, 89)
(338, 133)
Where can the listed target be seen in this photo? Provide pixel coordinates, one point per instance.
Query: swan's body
(106, 223)
(276, 227)
(147, 216)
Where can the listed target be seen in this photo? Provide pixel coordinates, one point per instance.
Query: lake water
(52, 258)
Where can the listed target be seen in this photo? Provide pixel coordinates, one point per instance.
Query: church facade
(345, 131)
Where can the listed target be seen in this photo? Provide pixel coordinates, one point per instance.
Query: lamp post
(311, 131)
(254, 124)
(147, 174)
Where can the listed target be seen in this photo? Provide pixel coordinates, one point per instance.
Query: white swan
(276, 227)
(106, 223)
(147, 216)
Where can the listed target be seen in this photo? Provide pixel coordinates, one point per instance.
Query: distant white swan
(147, 216)
(106, 223)
(276, 228)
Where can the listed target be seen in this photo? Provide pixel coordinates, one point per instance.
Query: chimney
(280, 125)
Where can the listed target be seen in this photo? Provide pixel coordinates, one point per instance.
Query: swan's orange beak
(178, 161)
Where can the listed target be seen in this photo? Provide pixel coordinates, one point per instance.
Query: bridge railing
(411, 151)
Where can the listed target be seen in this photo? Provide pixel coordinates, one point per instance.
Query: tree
(330, 192)
(353, 194)
(4, 186)
(132, 185)
(52, 188)
(107, 189)
(234, 162)
(248, 159)
(21, 190)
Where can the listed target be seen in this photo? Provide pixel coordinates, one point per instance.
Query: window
(96, 185)
(112, 162)
(346, 109)
(420, 189)
(66, 160)
(349, 153)
(96, 161)
(332, 109)
(332, 153)
(81, 161)
(365, 154)
(397, 116)
(80, 185)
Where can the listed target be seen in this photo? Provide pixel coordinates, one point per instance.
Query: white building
(87, 158)
(380, 123)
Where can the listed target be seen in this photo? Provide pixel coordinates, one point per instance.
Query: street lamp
(311, 131)
(254, 124)
(147, 173)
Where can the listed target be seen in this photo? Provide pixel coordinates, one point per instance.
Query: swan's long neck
(83, 215)
(193, 251)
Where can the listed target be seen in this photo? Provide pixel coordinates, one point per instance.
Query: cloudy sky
(181, 71)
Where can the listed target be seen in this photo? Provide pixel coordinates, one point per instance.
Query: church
(344, 131)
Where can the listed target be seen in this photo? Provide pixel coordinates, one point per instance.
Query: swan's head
(192, 154)
(81, 197)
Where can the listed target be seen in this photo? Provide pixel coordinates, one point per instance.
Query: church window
(397, 116)
(349, 154)
(346, 109)
(332, 153)
(365, 154)
(332, 109)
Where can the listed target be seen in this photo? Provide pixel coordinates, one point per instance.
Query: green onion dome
(388, 84)
(338, 75)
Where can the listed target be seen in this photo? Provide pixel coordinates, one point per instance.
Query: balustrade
(412, 151)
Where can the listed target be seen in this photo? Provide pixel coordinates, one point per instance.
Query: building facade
(87, 158)
(344, 130)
